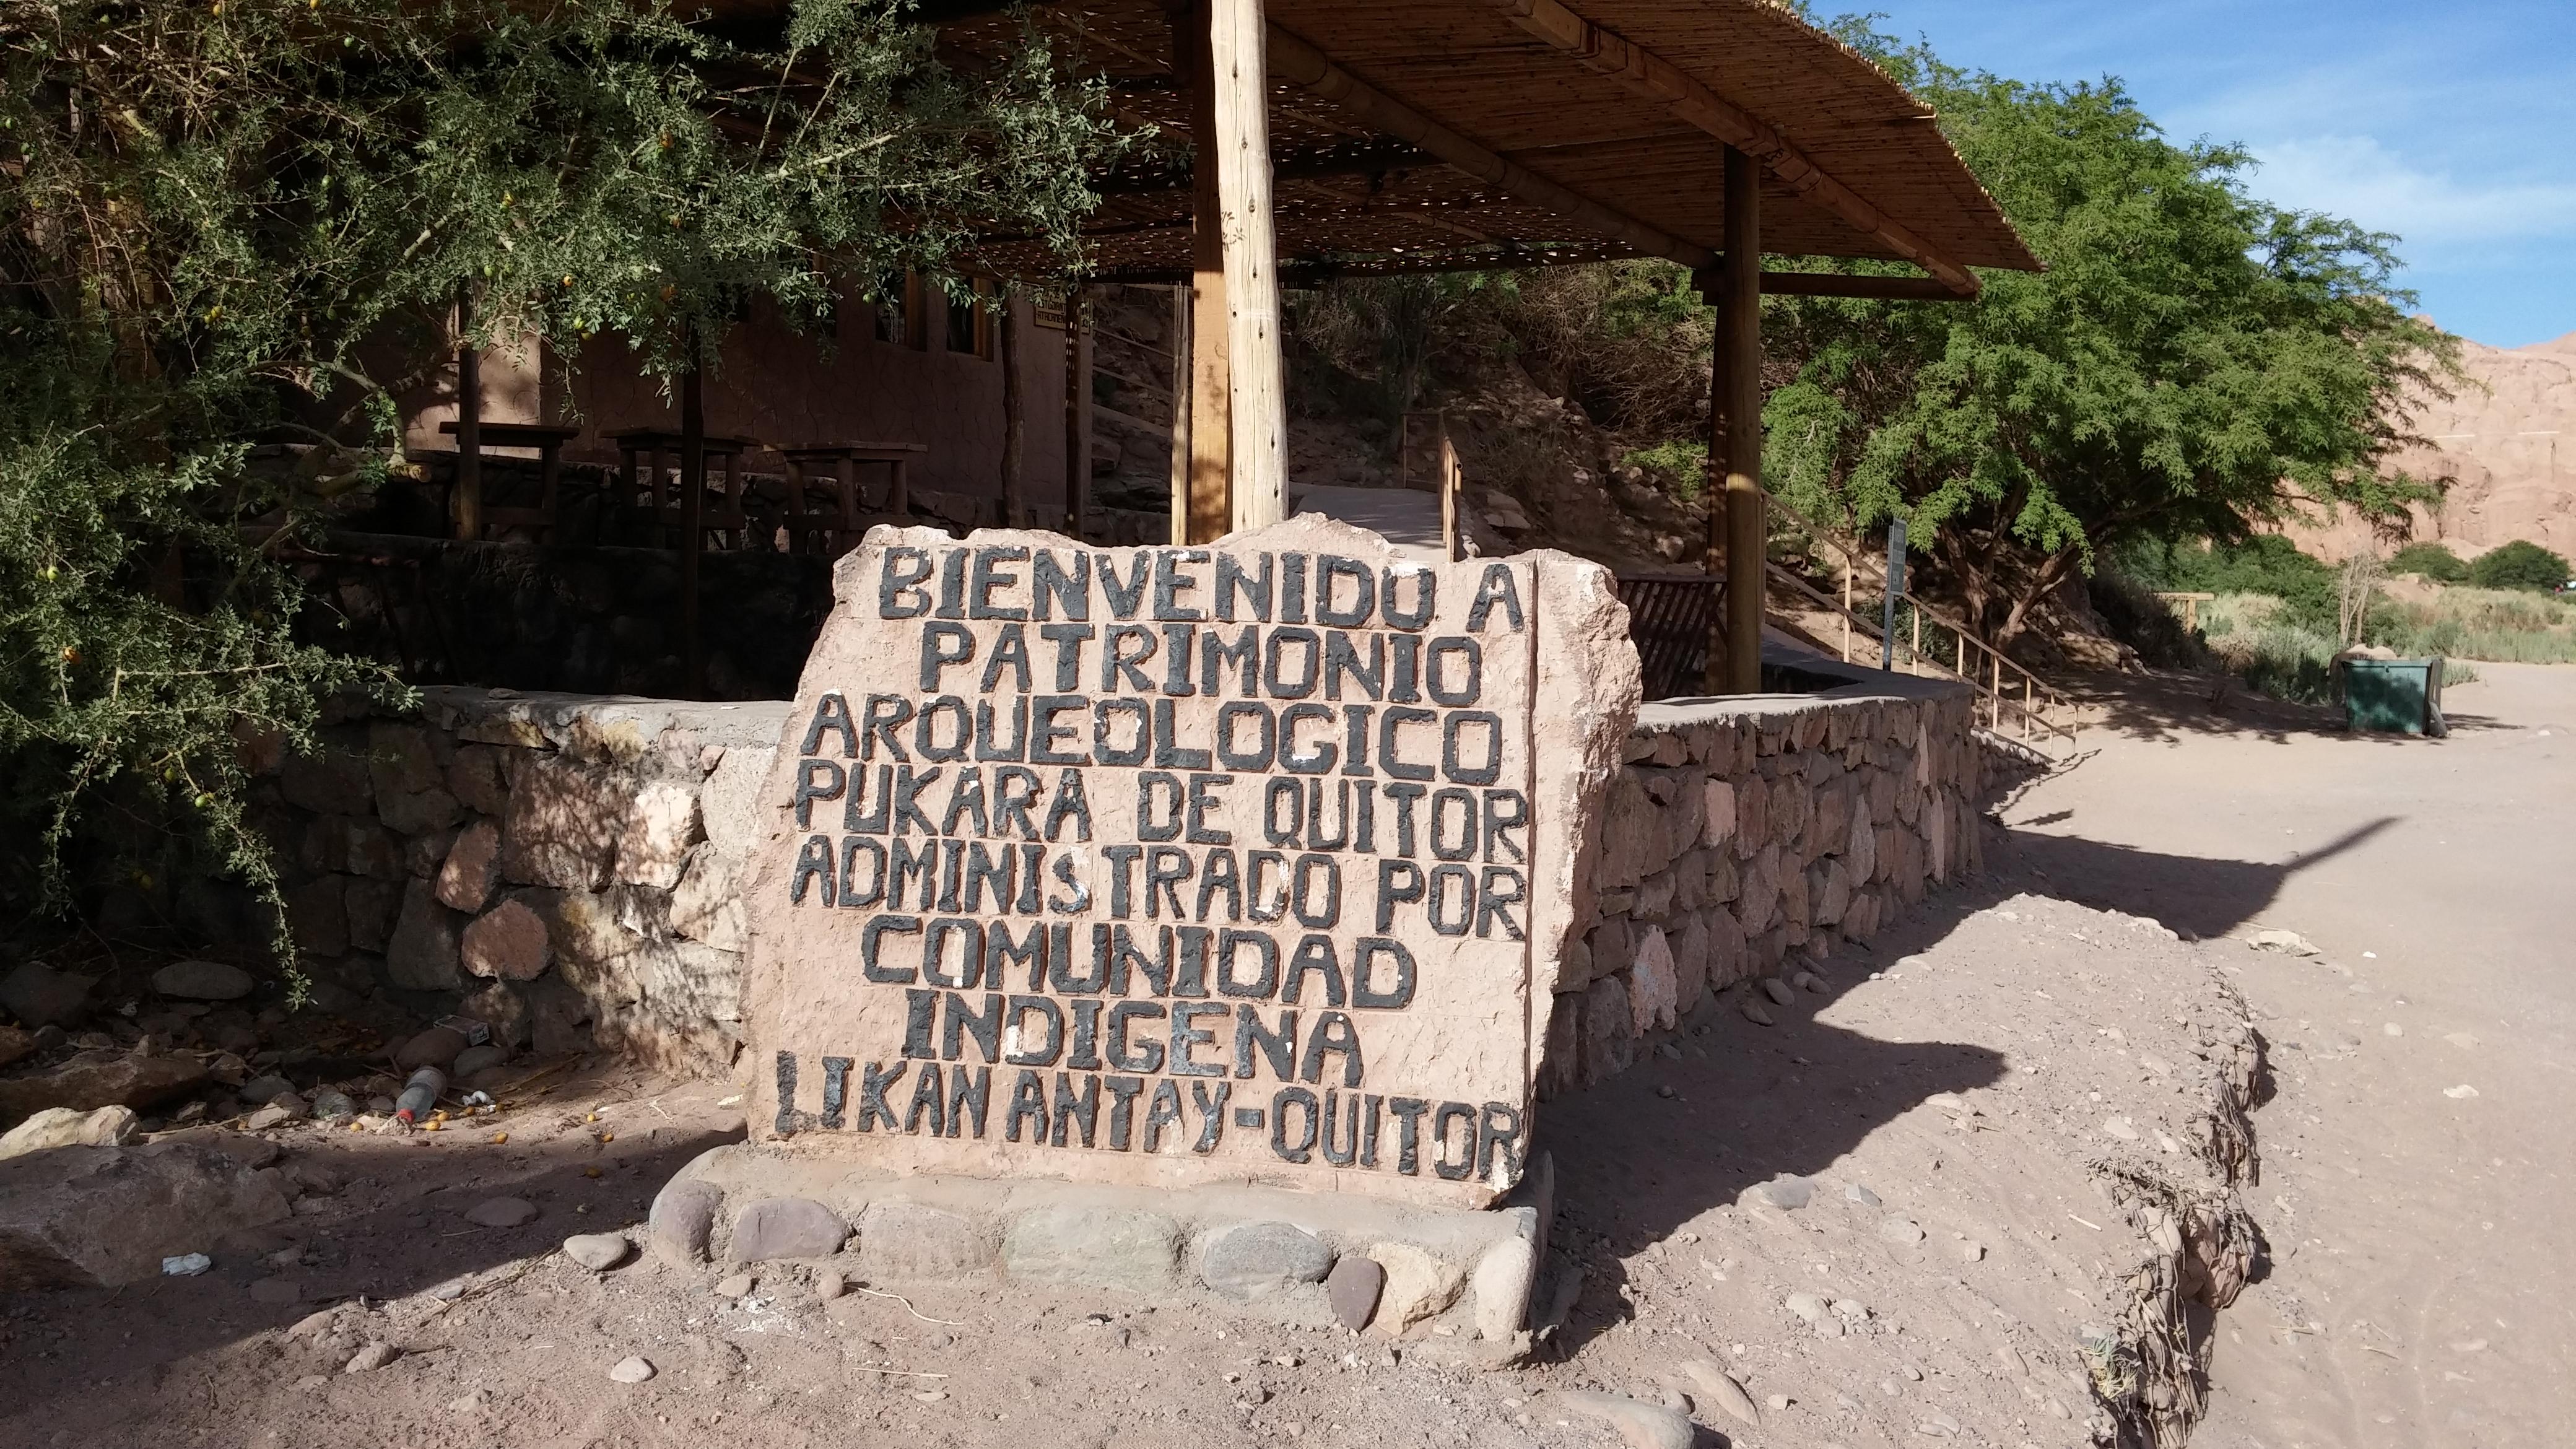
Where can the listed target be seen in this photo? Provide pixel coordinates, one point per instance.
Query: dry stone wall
(1745, 835)
(563, 867)
(571, 867)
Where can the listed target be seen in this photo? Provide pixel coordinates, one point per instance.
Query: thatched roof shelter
(1458, 133)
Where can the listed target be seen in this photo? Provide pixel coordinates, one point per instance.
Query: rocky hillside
(2508, 443)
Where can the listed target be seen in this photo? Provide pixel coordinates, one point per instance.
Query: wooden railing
(1973, 662)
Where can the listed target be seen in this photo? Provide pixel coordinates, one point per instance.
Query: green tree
(2520, 564)
(218, 214)
(2431, 559)
(2193, 363)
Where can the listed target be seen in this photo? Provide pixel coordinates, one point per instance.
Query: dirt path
(2422, 1281)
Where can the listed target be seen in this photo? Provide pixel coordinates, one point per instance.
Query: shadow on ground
(2164, 705)
(1797, 1098)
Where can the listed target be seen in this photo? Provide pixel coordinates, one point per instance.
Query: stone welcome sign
(1249, 863)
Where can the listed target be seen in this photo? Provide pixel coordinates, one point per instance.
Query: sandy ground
(2423, 1279)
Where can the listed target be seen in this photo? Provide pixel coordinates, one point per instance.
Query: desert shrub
(2265, 564)
(1679, 466)
(2510, 626)
(2431, 560)
(2258, 638)
(2520, 564)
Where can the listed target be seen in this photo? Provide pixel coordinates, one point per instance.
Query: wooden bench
(813, 463)
(548, 439)
(648, 452)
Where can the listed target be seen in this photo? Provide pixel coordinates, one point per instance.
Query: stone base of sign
(1449, 1278)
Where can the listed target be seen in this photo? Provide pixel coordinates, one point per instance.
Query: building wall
(788, 388)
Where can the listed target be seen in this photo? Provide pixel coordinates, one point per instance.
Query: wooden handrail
(1992, 694)
(1855, 560)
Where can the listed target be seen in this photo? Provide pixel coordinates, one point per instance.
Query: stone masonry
(1744, 834)
(569, 867)
(564, 867)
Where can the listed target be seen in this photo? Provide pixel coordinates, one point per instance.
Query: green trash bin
(2393, 696)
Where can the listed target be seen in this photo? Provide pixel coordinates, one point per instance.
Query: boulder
(1254, 1260)
(562, 826)
(785, 1227)
(63, 1127)
(1093, 1248)
(203, 981)
(661, 825)
(15, 1044)
(1418, 1286)
(102, 1216)
(104, 1078)
(38, 995)
(472, 868)
(438, 1047)
(508, 943)
(424, 954)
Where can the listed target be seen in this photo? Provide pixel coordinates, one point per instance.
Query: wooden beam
(1006, 351)
(1687, 99)
(1292, 59)
(1207, 504)
(693, 514)
(1839, 284)
(1077, 411)
(1258, 409)
(1355, 158)
(1181, 410)
(469, 421)
(1735, 428)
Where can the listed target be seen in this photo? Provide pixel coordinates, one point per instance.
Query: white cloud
(2358, 178)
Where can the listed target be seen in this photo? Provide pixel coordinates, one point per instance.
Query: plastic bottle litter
(419, 1095)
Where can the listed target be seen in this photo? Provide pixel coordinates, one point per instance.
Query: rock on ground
(102, 1078)
(1353, 1290)
(64, 1127)
(203, 981)
(1418, 1286)
(1253, 1260)
(597, 1251)
(501, 1212)
(1644, 1426)
(79, 1216)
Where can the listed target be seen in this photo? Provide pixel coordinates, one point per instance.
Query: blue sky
(2452, 125)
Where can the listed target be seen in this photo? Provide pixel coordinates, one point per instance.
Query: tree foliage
(2194, 361)
(219, 216)
(2520, 564)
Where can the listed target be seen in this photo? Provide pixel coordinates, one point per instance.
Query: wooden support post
(1961, 668)
(1914, 656)
(1736, 422)
(693, 509)
(1258, 408)
(1847, 582)
(469, 422)
(1183, 406)
(1077, 413)
(1210, 504)
(1006, 351)
(1449, 533)
(1995, 686)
